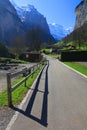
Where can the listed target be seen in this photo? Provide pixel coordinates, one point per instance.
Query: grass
(20, 92)
(10, 60)
(77, 66)
(59, 43)
(54, 55)
(83, 46)
(47, 51)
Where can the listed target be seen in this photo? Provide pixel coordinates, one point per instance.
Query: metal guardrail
(27, 72)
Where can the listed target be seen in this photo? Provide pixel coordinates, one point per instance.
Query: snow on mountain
(58, 31)
(69, 30)
(29, 14)
(26, 8)
(31, 18)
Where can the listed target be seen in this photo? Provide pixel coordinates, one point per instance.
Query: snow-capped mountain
(58, 31)
(31, 18)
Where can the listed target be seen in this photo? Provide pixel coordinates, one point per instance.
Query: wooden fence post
(9, 89)
(25, 83)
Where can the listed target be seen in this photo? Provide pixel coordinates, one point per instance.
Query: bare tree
(35, 38)
(18, 45)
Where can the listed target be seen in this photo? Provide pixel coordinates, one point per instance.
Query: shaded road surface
(57, 102)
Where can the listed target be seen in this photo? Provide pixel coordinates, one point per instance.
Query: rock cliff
(10, 24)
(81, 14)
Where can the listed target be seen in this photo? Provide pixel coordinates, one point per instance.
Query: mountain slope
(10, 24)
(32, 19)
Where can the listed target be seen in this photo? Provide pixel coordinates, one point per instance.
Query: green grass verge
(46, 51)
(81, 68)
(54, 55)
(20, 92)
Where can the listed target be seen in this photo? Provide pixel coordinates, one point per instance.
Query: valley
(27, 37)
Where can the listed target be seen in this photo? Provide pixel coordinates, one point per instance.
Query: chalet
(32, 56)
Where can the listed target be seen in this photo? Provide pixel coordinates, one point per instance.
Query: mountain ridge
(57, 31)
(31, 19)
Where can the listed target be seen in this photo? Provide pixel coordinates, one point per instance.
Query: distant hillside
(79, 35)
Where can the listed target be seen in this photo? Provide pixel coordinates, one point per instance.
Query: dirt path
(83, 63)
(3, 82)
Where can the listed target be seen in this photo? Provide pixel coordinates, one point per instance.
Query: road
(57, 102)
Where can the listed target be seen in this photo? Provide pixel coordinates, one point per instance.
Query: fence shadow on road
(44, 111)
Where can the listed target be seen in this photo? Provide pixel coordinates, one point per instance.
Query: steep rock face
(31, 19)
(10, 24)
(81, 14)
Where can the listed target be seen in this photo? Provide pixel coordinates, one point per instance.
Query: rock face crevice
(81, 14)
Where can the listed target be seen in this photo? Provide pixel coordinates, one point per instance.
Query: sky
(61, 12)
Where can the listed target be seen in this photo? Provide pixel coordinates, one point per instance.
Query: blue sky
(56, 11)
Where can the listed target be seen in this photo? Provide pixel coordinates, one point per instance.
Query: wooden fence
(27, 72)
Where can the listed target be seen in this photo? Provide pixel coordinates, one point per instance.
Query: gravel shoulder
(5, 116)
(83, 63)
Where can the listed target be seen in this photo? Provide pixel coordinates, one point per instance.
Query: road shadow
(44, 111)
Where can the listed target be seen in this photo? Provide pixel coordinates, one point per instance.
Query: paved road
(57, 102)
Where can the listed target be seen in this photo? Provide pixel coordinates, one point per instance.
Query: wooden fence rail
(27, 72)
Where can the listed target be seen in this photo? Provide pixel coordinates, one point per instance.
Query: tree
(35, 38)
(3, 50)
(18, 45)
